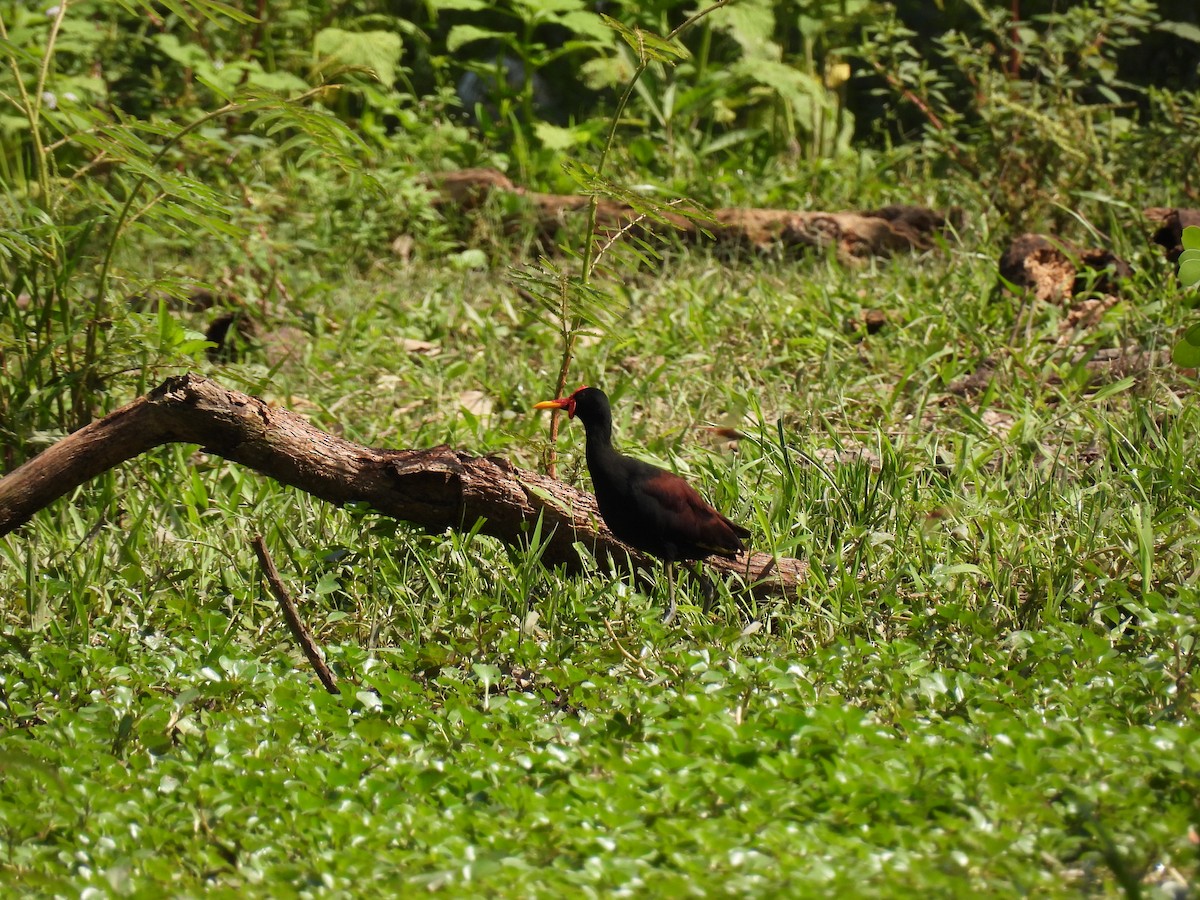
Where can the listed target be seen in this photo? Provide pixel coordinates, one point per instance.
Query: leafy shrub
(756, 84)
(83, 177)
(1037, 112)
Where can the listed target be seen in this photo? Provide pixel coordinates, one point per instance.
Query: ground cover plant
(985, 683)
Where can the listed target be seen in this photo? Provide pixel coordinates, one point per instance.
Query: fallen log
(853, 235)
(437, 489)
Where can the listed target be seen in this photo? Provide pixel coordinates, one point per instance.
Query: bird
(647, 507)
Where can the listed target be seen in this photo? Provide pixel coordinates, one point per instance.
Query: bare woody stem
(292, 616)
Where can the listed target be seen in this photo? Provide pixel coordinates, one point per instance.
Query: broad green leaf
(751, 23)
(800, 90)
(1187, 351)
(1191, 237)
(488, 674)
(471, 258)
(222, 87)
(1189, 272)
(1186, 355)
(369, 699)
(1185, 30)
(606, 71)
(11, 758)
(327, 584)
(283, 82)
(535, 10)
(378, 51)
(555, 138)
(730, 139)
(190, 55)
(461, 35)
(588, 24)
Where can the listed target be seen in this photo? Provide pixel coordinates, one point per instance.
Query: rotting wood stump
(1055, 270)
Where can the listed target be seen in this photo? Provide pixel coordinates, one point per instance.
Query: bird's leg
(670, 616)
(708, 587)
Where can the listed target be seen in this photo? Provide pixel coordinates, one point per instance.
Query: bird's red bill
(567, 403)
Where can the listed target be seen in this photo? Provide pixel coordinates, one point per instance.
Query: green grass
(984, 686)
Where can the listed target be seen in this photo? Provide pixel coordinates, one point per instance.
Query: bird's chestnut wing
(680, 510)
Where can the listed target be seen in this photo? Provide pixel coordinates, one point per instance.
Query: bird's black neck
(599, 431)
(598, 428)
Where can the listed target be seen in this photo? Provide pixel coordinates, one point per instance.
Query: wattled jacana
(649, 508)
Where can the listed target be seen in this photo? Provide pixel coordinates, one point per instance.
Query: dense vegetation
(984, 685)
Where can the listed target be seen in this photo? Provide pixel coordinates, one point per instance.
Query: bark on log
(436, 489)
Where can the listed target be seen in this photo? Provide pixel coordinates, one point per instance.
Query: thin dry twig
(292, 616)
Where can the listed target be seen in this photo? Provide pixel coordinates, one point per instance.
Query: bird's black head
(589, 403)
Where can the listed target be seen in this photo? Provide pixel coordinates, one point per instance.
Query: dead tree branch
(435, 489)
